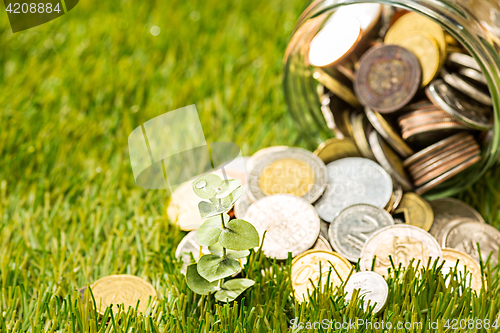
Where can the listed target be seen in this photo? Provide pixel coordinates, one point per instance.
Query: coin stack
(403, 86)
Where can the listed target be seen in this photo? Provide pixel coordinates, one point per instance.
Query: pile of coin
(335, 207)
(402, 87)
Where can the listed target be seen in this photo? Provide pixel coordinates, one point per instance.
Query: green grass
(70, 93)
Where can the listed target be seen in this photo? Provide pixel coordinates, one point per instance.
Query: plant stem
(223, 227)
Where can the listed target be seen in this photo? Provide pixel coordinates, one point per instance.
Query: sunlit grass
(70, 93)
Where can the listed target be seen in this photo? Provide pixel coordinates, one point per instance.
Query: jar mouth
(304, 103)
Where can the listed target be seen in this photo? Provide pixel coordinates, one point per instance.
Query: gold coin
(425, 47)
(122, 289)
(346, 120)
(417, 211)
(464, 261)
(413, 23)
(336, 87)
(334, 149)
(290, 176)
(306, 268)
(358, 127)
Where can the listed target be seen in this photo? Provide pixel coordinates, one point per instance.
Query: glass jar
(473, 23)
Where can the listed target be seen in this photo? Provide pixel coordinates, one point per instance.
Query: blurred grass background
(73, 89)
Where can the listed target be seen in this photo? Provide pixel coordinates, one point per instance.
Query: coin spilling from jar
(402, 90)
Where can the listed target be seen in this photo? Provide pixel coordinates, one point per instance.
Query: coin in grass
(388, 77)
(313, 265)
(466, 235)
(403, 243)
(465, 110)
(465, 264)
(373, 289)
(416, 211)
(291, 222)
(353, 180)
(353, 226)
(449, 209)
(122, 289)
(294, 171)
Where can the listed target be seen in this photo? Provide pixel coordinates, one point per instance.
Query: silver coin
(447, 227)
(464, 110)
(389, 134)
(189, 245)
(389, 161)
(465, 87)
(322, 244)
(463, 60)
(291, 222)
(351, 181)
(449, 209)
(403, 243)
(287, 179)
(255, 158)
(474, 75)
(353, 226)
(466, 235)
(241, 206)
(372, 287)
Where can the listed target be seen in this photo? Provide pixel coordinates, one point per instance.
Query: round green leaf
(209, 231)
(232, 289)
(197, 283)
(217, 250)
(206, 186)
(212, 267)
(239, 235)
(230, 186)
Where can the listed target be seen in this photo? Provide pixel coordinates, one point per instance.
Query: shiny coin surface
(433, 148)
(359, 126)
(291, 222)
(465, 236)
(254, 159)
(189, 245)
(322, 244)
(463, 109)
(463, 60)
(387, 78)
(449, 209)
(466, 88)
(403, 243)
(465, 263)
(413, 23)
(424, 46)
(372, 287)
(447, 175)
(335, 149)
(390, 161)
(293, 171)
(336, 87)
(353, 226)
(306, 268)
(388, 133)
(417, 211)
(353, 180)
(122, 289)
(473, 75)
